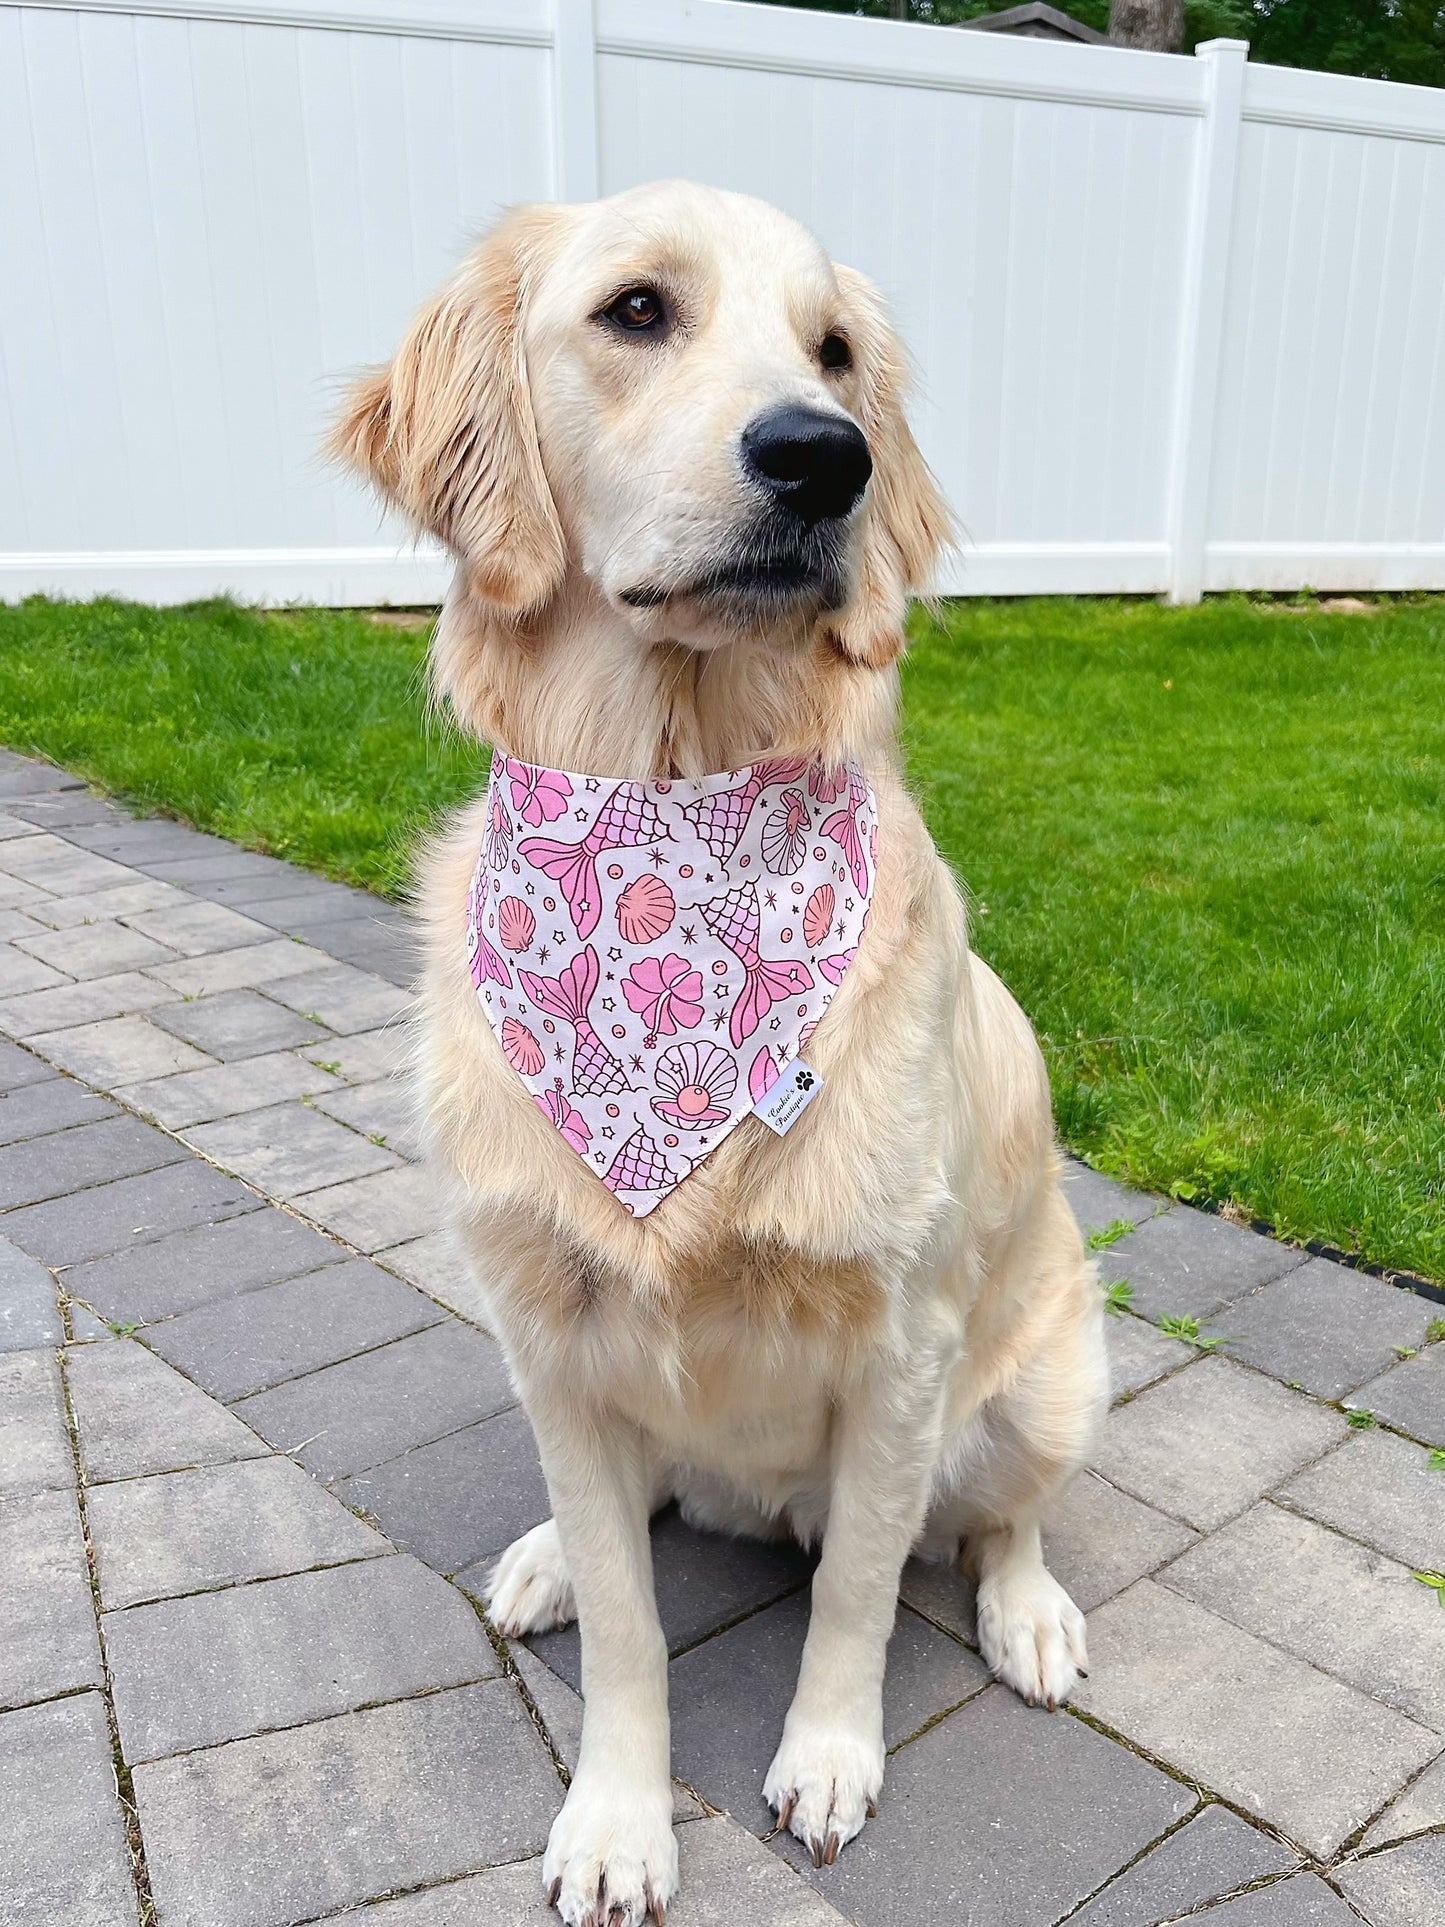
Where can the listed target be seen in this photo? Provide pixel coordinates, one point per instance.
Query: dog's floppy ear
(446, 433)
(906, 520)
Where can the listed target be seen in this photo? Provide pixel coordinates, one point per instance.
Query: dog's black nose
(817, 464)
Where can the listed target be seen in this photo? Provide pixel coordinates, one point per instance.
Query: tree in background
(1155, 24)
(1382, 39)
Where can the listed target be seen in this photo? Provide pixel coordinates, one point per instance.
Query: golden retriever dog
(663, 436)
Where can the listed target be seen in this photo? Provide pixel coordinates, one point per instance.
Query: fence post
(574, 100)
(1206, 267)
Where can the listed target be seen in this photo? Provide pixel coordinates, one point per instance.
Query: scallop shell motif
(520, 1048)
(516, 925)
(818, 916)
(697, 1080)
(645, 909)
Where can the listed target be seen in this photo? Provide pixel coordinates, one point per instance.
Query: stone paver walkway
(256, 1451)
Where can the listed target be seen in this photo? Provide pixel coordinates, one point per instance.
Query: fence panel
(1178, 323)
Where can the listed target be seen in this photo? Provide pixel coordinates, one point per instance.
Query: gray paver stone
(375, 1212)
(236, 1024)
(1380, 1489)
(200, 1264)
(29, 1303)
(119, 1051)
(117, 1216)
(730, 1695)
(435, 1264)
(1101, 1540)
(348, 1417)
(67, 1005)
(702, 1580)
(1420, 1806)
(1302, 1900)
(235, 1346)
(290, 1149)
(250, 1084)
(21, 973)
(47, 1618)
(271, 1830)
(34, 1443)
(1139, 1353)
(1411, 1395)
(19, 1067)
(1247, 1720)
(1345, 1608)
(386, 1110)
(343, 997)
(64, 913)
(960, 1837)
(363, 1059)
(1402, 1887)
(1326, 1327)
(90, 1154)
(384, 945)
(462, 1500)
(1207, 1442)
(1186, 1261)
(63, 1853)
(184, 1532)
(97, 949)
(55, 1105)
(135, 1415)
(261, 963)
(1209, 1855)
(199, 929)
(725, 1880)
(223, 1665)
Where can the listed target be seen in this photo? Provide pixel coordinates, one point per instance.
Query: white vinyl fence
(1179, 322)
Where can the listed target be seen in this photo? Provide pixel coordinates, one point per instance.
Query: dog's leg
(826, 1775)
(611, 1857)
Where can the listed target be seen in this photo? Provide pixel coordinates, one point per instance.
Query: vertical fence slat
(574, 99)
(1206, 269)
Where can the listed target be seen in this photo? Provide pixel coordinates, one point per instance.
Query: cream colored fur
(880, 1331)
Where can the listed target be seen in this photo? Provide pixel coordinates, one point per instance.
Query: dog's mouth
(769, 572)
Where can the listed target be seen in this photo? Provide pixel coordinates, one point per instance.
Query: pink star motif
(609, 1003)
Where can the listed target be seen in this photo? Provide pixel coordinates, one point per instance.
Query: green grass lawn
(1206, 848)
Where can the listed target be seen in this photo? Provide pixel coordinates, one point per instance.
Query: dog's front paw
(1032, 1635)
(823, 1784)
(530, 1589)
(611, 1859)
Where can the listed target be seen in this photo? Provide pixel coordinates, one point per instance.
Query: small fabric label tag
(789, 1097)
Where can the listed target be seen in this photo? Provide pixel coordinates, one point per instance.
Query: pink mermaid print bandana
(651, 956)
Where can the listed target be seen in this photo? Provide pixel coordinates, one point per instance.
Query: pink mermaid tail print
(735, 921)
(568, 996)
(842, 828)
(625, 820)
(720, 819)
(487, 962)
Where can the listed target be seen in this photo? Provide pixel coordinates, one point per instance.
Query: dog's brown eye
(638, 310)
(834, 352)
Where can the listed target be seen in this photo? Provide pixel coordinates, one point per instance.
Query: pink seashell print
(520, 1047)
(827, 785)
(499, 832)
(785, 835)
(516, 926)
(842, 828)
(818, 916)
(625, 820)
(666, 993)
(835, 968)
(696, 1080)
(538, 795)
(645, 909)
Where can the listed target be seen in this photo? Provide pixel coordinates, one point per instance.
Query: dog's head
(678, 394)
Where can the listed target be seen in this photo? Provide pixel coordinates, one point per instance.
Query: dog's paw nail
(830, 1852)
(785, 1811)
(554, 1891)
(656, 1910)
(815, 1847)
(872, 1809)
